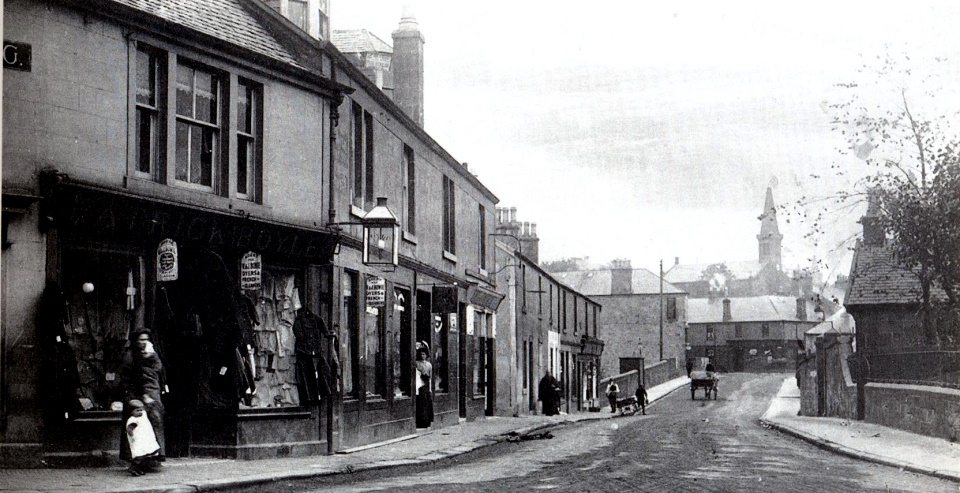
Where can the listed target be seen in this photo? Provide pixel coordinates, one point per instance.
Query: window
(375, 356)
(480, 353)
(540, 295)
(671, 309)
(349, 342)
(576, 315)
(710, 335)
(297, 12)
(324, 26)
(441, 371)
(201, 127)
(765, 330)
(247, 149)
(738, 331)
(410, 191)
(481, 241)
(564, 312)
(526, 365)
(198, 126)
(596, 314)
(147, 111)
(362, 157)
(449, 217)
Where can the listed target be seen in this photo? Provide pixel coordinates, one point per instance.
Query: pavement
(897, 448)
(865, 441)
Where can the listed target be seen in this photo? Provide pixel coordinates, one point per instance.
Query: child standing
(641, 395)
(140, 435)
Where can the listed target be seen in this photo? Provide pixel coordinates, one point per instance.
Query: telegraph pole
(661, 309)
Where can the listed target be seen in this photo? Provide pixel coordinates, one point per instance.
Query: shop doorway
(462, 374)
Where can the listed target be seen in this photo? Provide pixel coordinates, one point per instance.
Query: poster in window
(376, 291)
(167, 264)
(251, 271)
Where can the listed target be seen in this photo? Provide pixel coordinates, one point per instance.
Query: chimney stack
(408, 65)
(727, 314)
(676, 260)
(873, 233)
(801, 309)
(621, 276)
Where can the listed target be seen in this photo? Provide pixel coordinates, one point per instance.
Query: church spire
(769, 237)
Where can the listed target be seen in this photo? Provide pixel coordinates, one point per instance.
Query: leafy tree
(717, 275)
(899, 121)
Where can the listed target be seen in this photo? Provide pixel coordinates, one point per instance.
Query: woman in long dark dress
(141, 376)
(547, 390)
(424, 401)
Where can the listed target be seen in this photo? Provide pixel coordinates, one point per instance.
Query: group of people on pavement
(613, 395)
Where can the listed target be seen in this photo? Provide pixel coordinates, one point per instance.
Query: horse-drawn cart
(706, 381)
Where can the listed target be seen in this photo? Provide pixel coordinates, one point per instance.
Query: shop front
(237, 308)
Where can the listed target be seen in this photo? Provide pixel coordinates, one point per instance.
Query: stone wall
(926, 410)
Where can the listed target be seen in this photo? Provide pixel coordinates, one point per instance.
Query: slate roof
(877, 279)
(359, 41)
(226, 20)
(750, 309)
(692, 272)
(598, 282)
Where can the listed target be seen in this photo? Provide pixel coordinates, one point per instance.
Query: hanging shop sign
(251, 271)
(167, 264)
(376, 291)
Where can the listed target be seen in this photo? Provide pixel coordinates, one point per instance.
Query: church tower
(769, 237)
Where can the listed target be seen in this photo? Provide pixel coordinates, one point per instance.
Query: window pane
(183, 151)
(207, 153)
(185, 91)
(206, 94)
(298, 13)
(244, 109)
(244, 154)
(146, 122)
(146, 78)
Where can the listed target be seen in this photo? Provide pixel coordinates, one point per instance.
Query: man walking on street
(613, 392)
(641, 395)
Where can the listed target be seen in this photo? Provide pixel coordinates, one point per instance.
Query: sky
(649, 130)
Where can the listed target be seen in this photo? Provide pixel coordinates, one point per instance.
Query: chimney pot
(676, 260)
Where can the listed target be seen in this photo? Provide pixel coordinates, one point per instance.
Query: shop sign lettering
(119, 218)
(167, 267)
(17, 56)
(250, 271)
(376, 291)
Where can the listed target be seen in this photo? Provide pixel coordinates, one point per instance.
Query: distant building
(759, 333)
(544, 325)
(632, 312)
(764, 276)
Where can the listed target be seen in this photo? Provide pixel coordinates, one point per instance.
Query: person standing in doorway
(141, 376)
(424, 403)
(613, 393)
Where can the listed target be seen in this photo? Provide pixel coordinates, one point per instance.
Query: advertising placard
(376, 291)
(167, 264)
(251, 271)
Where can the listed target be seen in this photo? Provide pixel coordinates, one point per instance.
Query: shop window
(200, 127)
(402, 344)
(278, 304)
(481, 356)
(374, 354)
(349, 341)
(98, 317)
(440, 357)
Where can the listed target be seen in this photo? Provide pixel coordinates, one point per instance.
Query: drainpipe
(332, 213)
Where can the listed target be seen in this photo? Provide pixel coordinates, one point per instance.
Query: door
(462, 370)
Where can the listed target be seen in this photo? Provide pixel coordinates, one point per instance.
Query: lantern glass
(381, 235)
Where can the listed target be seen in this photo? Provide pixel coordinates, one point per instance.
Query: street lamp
(381, 235)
